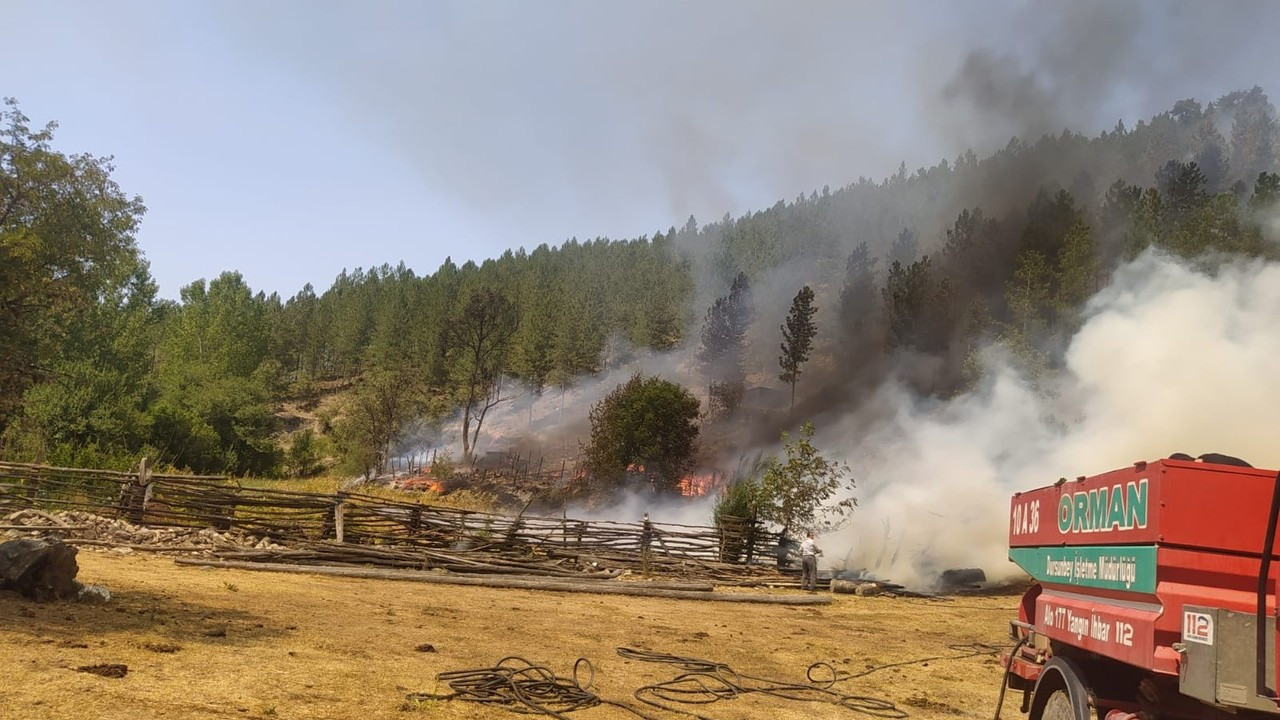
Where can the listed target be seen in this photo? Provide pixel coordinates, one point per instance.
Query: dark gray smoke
(1084, 65)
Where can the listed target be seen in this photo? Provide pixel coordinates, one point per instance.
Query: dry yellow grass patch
(202, 643)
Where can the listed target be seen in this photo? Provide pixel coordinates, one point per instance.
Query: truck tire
(1058, 706)
(1060, 693)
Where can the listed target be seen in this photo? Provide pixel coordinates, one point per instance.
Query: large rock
(40, 569)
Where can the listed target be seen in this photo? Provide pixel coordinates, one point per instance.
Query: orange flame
(700, 485)
(423, 483)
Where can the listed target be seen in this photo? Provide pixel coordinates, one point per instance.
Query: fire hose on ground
(521, 686)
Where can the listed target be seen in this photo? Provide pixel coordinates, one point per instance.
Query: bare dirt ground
(204, 643)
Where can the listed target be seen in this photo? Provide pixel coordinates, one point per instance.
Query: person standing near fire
(809, 552)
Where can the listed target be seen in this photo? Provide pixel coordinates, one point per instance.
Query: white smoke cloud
(631, 507)
(558, 423)
(1171, 358)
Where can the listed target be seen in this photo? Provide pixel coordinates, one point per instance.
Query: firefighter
(809, 553)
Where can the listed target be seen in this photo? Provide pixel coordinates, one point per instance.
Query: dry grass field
(205, 643)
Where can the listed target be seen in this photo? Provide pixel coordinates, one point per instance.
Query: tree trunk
(492, 397)
(467, 458)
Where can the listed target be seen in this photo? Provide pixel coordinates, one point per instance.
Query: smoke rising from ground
(558, 423)
(710, 128)
(1171, 359)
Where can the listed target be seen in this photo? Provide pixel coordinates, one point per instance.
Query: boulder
(42, 569)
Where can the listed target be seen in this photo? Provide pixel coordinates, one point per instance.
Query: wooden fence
(283, 516)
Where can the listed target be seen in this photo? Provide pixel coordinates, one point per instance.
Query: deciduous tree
(478, 341)
(66, 240)
(796, 490)
(374, 419)
(647, 422)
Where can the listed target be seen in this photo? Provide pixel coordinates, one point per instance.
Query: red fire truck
(1155, 594)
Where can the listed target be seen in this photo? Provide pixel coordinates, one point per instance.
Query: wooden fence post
(329, 526)
(32, 481)
(133, 495)
(144, 490)
(224, 518)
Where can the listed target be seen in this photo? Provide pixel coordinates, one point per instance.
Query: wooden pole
(635, 589)
(32, 481)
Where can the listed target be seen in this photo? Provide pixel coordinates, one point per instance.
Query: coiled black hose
(708, 681)
(521, 686)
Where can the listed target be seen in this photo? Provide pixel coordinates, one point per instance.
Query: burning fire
(422, 482)
(700, 485)
(692, 485)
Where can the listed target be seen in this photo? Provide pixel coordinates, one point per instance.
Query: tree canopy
(797, 490)
(67, 252)
(926, 266)
(648, 426)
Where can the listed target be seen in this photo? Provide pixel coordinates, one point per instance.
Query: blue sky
(288, 139)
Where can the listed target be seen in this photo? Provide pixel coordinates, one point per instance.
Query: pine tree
(905, 247)
(858, 297)
(797, 339)
(723, 332)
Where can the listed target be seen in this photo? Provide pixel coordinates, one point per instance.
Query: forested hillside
(918, 271)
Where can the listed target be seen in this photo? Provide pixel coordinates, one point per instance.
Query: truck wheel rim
(1058, 707)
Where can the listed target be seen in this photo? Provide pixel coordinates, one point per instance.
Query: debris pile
(84, 528)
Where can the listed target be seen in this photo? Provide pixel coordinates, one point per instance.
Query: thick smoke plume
(1142, 378)
(1171, 359)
